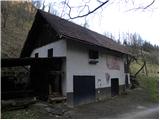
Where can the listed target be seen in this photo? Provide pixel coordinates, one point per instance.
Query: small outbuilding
(83, 66)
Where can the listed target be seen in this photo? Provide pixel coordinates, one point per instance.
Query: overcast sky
(116, 17)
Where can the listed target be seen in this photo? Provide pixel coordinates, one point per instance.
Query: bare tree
(100, 5)
(5, 11)
(49, 9)
(143, 7)
(37, 3)
(86, 25)
(86, 9)
(137, 50)
(43, 5)
(86, 6)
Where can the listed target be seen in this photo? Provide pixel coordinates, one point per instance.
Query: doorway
(114, 86)
(55, 84)
(126, 81)
(84, 89)
(46, 77)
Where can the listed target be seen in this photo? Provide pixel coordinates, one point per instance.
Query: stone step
(57, 99)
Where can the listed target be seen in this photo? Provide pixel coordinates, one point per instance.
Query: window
(36, 55)
(93, 54)
(50, 52)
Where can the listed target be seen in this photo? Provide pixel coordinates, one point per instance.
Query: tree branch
(89, 12)
(142, 7)
(63, 8)
(83, 9)
(149, 4)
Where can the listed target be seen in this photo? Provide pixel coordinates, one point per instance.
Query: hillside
(19, 17)
(151, 57)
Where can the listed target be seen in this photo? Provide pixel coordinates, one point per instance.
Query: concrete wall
(77, 64)
(59, 49)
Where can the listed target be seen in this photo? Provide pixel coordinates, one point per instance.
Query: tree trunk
(146, 69)
(140, 69)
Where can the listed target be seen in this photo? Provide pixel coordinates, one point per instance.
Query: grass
(151, 82)
(151, 68)
(151, 85)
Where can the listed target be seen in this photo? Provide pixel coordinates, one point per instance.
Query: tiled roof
(70, 29)
(67, 30)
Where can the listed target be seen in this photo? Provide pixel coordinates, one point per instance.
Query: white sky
(116, 18)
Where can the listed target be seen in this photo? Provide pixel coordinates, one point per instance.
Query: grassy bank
(151, 85)
(152, 69)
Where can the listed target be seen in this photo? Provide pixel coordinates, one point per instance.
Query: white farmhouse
(78, 63)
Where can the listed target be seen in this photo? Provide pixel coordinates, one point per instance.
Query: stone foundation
(100, 94)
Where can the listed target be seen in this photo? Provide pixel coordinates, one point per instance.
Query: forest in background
(16, 21)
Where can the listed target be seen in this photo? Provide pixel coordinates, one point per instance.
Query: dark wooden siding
(45, 36)
(40, 34)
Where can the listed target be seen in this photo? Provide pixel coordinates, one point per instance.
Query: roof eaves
(89, 43)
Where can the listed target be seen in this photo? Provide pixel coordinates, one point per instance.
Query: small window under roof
(93, 54)
(50, 52)
(36, 55)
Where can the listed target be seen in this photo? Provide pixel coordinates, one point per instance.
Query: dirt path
(149, 113)
(135, 104)
(132, 105)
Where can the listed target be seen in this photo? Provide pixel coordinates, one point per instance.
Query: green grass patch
(151, 85)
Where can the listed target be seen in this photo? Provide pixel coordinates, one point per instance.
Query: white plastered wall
(77, 64)
(59, 49)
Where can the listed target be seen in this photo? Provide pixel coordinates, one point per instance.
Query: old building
(80, 64)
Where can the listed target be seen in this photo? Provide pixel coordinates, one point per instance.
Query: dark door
(126, 81)
(84, 89)
(39, 79)
(114, 86)
(54, 84)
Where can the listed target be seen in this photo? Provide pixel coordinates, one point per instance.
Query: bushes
(151, 85)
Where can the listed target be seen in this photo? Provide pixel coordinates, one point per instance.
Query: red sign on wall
(113, 63)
